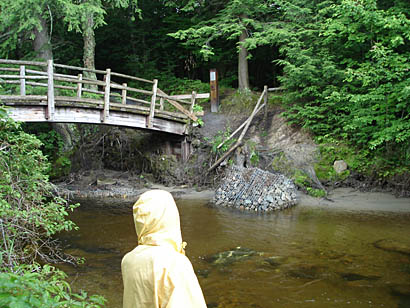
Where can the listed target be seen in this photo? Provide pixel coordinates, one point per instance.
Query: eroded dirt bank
(124, 163)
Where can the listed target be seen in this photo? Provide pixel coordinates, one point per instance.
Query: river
(308, 256)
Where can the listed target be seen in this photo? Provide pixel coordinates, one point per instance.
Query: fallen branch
(239, 142)
(216, 164)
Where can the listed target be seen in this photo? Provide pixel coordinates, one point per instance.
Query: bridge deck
(137, 103)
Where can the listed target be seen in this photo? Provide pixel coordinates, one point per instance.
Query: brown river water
(307, 256)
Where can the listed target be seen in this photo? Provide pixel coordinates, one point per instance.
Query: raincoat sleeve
(184, 287)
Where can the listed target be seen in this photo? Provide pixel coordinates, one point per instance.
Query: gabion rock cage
(253, 189)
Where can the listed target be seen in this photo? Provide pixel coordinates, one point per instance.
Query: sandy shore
(351, 199)
(340, 198)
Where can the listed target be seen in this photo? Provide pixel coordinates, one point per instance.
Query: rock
(339, 166)
(402, 289)
(102, 182)
(196, 143)
(232, 256)
(355, 277)
(274, 261)
(203, 272)
(393, 246)
(306, 271)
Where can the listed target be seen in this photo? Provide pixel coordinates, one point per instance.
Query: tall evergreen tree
(346, 72)
(87, 15)
(234, 20)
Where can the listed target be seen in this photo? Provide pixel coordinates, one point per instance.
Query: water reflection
(305, 257)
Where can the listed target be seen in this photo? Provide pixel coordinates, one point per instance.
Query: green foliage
(31, 214)
(242, 101)
(346, 73)
(16, 18)
(299, 177)
(360, 160)
(198, 108)
(51, 142)
(3, 112)
(219, 138)
(36, 286)
(254, 154)
(52, 146)
(232, 18)
(330, 152)
(61, 167)
(173, 85)
(315, 192)
(30, 210)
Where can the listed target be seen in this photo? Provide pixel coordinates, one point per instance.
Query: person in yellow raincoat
(157, 274)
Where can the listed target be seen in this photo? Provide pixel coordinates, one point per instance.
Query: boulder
(232, 256)
(393, 246)
(339, 166)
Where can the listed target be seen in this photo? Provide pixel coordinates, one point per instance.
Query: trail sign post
(213, 81)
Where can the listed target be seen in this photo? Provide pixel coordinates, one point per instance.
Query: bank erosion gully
(51, 92)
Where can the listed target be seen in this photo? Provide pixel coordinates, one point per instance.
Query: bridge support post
(185, 150)
(50, 91)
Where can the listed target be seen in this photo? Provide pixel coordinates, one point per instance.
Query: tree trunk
(43, 49)
(89, 46)
(243, 75)
(42, 43)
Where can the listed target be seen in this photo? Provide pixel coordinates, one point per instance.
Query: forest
(343, 66)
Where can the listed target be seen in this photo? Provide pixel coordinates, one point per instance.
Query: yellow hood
(156, 220)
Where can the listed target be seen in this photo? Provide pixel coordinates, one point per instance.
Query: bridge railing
(51, 83)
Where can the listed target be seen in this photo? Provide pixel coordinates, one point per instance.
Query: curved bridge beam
(62, 114)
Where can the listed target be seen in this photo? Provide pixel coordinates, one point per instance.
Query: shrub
(30, 209)
(36, 286)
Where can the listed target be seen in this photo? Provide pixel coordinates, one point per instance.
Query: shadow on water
(301, 257)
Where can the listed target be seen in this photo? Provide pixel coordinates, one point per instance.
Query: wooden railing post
(124, 94)
(106, 111)
(153, 99)
(193, 98)
(161, 103)
(22, 80)
(80, 86)
(50, 91)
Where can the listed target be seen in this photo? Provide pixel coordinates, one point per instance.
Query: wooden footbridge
(50, 92)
